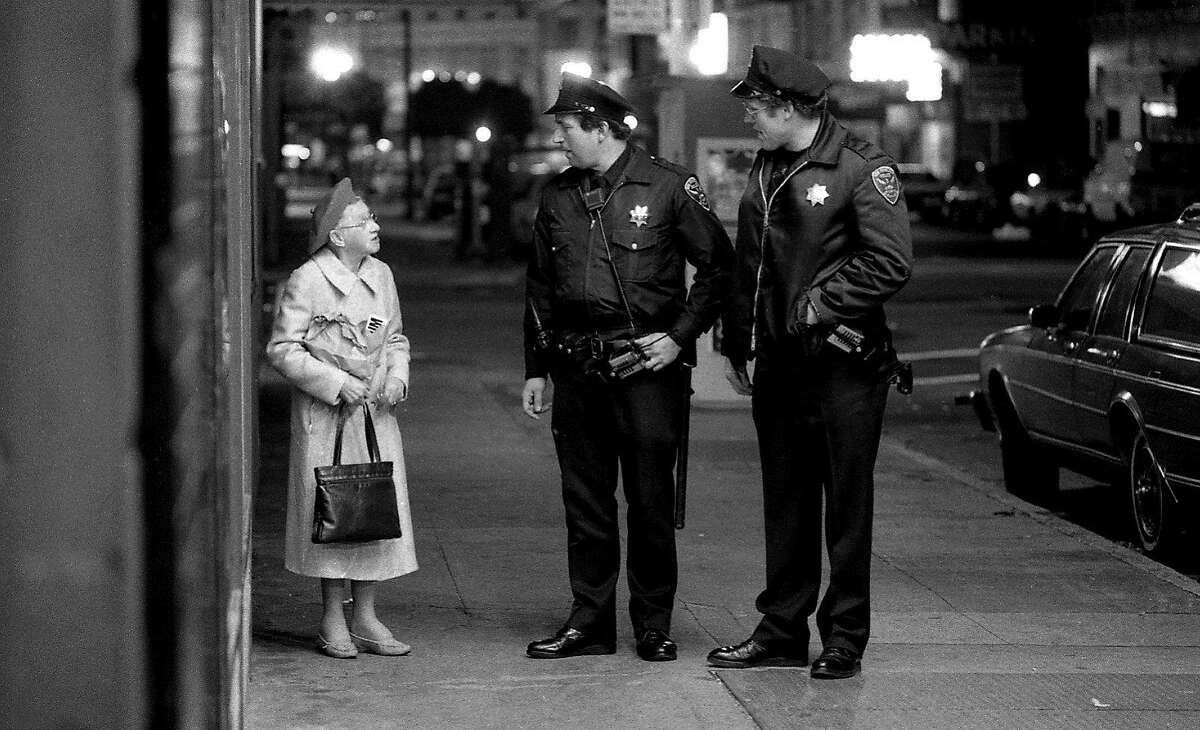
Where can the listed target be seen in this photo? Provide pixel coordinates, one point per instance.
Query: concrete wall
(71, 602)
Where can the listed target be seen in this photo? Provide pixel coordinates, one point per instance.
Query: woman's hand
(353, 390)
(394, 391)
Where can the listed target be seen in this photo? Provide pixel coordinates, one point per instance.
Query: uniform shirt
(654, 218)
(832, 230)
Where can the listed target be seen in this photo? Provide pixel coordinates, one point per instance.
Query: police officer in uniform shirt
(823, 240)
(611, 238)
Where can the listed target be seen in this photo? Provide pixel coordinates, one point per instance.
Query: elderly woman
(337, 339)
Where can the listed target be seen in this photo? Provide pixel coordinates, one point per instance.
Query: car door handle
(1155, 373)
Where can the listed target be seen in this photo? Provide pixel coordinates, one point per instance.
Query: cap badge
(887, 183)
(816, 194)
(695, 192)
(638, 215)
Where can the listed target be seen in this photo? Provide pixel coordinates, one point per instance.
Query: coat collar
(827, 145)
(370, 273)
(637, 169)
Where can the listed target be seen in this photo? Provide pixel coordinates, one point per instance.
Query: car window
(1113, 313)
(1079, 298)
(1173, 305)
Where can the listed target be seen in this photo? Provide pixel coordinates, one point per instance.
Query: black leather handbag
(355, 502)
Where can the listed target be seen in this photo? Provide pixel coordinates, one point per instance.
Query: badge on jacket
(816, 194)
(695, 192)
(887, 183)
(639, 215)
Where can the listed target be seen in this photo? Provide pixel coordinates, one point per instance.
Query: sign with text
(637, 17)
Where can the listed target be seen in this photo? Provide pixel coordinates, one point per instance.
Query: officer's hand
(353, 390)
(738, 378)
(531, 397)
(658, 349)
(806, 316)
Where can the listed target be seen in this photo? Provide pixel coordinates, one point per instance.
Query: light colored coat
(323, 286)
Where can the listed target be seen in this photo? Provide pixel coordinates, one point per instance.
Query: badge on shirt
(638, 215)
(695, 192)
(816, 194)
(887, 183)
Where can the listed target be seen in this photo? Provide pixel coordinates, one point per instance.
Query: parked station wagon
(1106, 381)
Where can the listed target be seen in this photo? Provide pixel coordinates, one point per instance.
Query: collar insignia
(817, 194)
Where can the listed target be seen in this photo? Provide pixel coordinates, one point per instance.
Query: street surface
(988, 612)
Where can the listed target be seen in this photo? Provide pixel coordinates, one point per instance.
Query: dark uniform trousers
(597, 426)
(819, 419)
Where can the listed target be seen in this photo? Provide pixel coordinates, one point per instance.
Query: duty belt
(597, 345)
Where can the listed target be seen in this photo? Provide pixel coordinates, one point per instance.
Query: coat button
(635, 247)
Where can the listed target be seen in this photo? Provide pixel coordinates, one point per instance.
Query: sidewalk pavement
(988, 612)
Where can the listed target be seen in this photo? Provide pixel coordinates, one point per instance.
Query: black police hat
(579, 94)
(781, 74)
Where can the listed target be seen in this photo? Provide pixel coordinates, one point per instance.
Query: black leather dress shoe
(751, 653)
(571, 642)
(655, 646)
(836, 663)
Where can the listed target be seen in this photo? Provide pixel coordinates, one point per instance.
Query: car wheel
(1029, 472)
(1150, 500)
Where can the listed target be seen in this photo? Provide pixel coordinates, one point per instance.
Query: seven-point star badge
(638, 215)
(817, 194)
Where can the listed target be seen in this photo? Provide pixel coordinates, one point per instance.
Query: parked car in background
(531, 169)
(1106, 380)
(971, 203)
(1055, 214)
(924, 192)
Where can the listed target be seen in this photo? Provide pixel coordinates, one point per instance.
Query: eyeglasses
(369, 219)
(752, 112)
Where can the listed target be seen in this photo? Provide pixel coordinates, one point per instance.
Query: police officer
(611, 238)
(823, 240)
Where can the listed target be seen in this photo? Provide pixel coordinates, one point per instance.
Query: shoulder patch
(887, 182)
(695, 192)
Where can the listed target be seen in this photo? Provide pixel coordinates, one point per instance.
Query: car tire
(1150, 501)
(1029, 472)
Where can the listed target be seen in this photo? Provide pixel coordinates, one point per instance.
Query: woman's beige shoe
(337, 650)
(388, 647)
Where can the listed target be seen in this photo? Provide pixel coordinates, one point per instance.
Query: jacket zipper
(762, 244)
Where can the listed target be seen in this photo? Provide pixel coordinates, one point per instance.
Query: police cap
(781, 74)
(329, 211)
(580, 95)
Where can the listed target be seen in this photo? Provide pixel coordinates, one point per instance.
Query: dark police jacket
(655, 219)
(835, 229)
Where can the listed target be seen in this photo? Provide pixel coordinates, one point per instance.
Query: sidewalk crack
(462, 603)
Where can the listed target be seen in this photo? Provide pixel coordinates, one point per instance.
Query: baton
(681, 464)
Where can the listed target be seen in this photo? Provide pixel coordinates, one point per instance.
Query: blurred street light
(907, 57)
(330, 63)
(579, 68)
(710, 53)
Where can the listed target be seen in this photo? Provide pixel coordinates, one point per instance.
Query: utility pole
(406, 70)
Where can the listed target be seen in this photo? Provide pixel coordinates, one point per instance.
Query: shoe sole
(772, 662)
(594, 650)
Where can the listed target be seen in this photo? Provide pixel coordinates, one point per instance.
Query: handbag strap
(369, 427)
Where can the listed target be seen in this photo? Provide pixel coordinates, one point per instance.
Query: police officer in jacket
(823, 241)
(611, 321)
